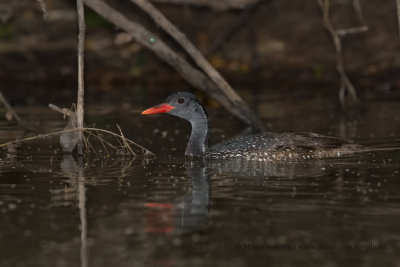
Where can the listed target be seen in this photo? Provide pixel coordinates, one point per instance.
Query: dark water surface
(56, 211)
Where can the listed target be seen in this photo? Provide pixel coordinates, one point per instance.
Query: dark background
(281, 47)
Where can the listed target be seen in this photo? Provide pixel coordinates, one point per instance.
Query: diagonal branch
(178, 36)
(217, 87)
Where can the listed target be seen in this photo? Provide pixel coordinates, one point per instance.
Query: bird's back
(283, 146)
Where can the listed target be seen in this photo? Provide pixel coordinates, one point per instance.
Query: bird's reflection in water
(143, 208)
(185, 213)
(188, 212)
(264, 169)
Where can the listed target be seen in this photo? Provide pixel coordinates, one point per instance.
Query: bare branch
(196, 78)
(81, 48)
(64, 111)
(201, 62)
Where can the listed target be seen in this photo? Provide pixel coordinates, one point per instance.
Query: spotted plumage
(284, 146)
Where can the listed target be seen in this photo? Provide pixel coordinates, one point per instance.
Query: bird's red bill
(158, 109)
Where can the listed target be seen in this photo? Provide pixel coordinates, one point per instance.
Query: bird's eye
(181, 100)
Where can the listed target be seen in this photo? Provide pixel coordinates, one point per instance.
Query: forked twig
(345, 84)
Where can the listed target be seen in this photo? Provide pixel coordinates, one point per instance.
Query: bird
(267, 146)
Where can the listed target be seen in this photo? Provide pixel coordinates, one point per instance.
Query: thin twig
(121, 144)
(119, 136)
(124, 140)
(81, 49)
(102, 141)
(64, 111)
(89, 145)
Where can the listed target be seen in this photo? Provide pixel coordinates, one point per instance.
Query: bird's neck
(197, 144)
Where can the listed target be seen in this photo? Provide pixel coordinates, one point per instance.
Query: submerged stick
(81, 48)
